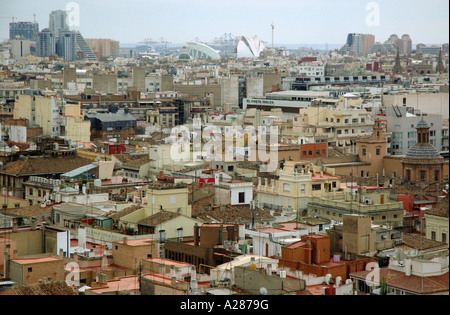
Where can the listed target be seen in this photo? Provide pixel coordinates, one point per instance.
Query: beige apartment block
(341, 123)
(129, 253)
(294, 186)
(437, 225)
(103, 47)
(368, 201)
(31, 270)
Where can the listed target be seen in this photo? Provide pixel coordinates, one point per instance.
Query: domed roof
(184, 57)
(423, 151)
(422, 124)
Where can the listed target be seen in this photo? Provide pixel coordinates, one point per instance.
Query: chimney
(408, 267)
(172, 270)
(104, 263)
(15, 254)
(194, 286)
(101, 278)
(6, 264)
(193, 273)
(173, 280)
(196, 235)
(15, 227)
(269, 269)
(125, 241)
(33, 224)
(61, 252)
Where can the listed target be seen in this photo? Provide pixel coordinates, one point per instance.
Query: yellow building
(54, 117)
(78, 129)
(8, 202)
(294, 185)
(437, 225)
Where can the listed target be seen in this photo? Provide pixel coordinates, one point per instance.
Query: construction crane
(8, 17)
(148, 42)
(164, 42)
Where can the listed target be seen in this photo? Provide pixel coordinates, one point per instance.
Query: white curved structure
(198, 50)
(249, 47)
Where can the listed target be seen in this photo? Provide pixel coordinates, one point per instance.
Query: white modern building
(250, 47)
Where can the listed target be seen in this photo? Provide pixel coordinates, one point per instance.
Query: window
(302, 188)
(317, 187)
(364, 152)
(162, 236)
(172, 199)
(436, 175)
(30, 269)
(149, 256)
(180, 232)
(444, 238)
(287, 188)
(241, 197)
(378, 151)
(423, 175)
(433, 235)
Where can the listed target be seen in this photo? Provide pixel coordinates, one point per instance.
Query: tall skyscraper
(405, 45)
(57, 22)
(359, 44)
(66, 45)
(25, 30)
(46, 45)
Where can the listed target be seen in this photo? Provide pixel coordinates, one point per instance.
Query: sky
(297, 22)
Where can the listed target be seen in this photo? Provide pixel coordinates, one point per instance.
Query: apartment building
(402, 122)
(369, 201)
(103, 47)
(293, 186)
(56, 118)
(340, 123)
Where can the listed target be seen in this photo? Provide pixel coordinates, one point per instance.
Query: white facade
(241, 193)
(250, 47)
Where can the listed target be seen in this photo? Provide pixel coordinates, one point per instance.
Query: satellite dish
(263, 291)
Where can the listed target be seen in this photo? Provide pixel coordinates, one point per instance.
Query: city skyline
(179, 21)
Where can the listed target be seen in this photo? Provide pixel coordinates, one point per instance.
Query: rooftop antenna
(34, 18)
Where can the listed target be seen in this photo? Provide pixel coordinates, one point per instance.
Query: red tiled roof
(414, 284)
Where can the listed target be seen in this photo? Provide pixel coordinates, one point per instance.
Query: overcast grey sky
(296, 21)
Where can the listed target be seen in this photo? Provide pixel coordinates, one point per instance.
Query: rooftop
(141, 242)
(413, 284)
(44, 165)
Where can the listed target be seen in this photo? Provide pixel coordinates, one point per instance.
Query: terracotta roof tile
(44, 165)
